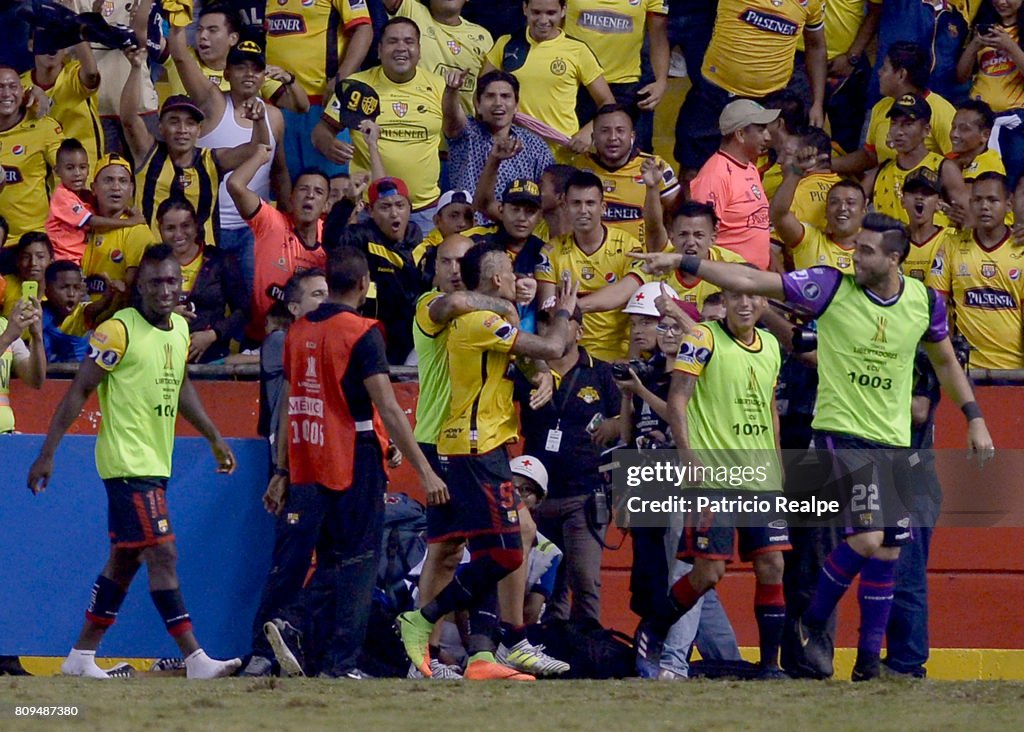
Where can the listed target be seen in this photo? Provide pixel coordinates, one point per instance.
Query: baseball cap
(532, 468)
(913, 106)
(449, 197)
(522, 190)
(384, 187)
(113, 159)
(356, 101)
(742, 112)
(922, 179)
(247, 51)
(180, 101)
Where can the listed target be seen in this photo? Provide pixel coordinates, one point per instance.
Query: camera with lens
(642, 369)
(805, 340)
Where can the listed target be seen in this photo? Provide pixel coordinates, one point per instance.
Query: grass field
(595, 706)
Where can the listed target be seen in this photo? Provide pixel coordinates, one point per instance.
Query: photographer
(568, 434)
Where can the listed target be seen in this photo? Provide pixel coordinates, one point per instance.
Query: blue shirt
(467, 154)
(61, 347)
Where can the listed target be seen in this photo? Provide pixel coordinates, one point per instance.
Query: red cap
(383, 187)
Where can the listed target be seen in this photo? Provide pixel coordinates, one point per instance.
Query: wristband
(971, 410)
(689, 264)
(290, 81)
(281, 472)
(563, 313)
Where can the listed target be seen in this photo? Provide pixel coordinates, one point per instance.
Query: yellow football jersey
(447, 47)
(988, 161)
(28, 152)
(267, 91)
(481, 415)
(112, 252)
(997, 80)
(817, 248)
(921, 256)
(410, 130)
(307, 37)
(614, 30)
(76, 323)
(700, 290)
(984, 290)
(811, 196)
(551, 77)
(75, 107)
(844, 19)
(751, 50)
(605, 334)
(941, 123)
(888, 194)
(625, 191)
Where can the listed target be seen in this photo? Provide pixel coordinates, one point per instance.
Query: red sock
(685, 595)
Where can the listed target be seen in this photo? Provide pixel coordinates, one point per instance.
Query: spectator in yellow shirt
(972, 126)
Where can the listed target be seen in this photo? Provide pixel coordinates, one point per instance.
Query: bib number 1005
(872, 382)
(307, 430)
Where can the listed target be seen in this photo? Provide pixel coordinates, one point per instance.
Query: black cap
(356, 101)
(913, 106)
(522, 190)
(96, 29)
(180, 101)
(922, 179)
(247, 51)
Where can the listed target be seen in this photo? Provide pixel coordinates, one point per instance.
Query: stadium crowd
(331, 188)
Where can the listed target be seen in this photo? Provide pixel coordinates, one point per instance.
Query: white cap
(532, 468)
(642, 301)
(449, 197)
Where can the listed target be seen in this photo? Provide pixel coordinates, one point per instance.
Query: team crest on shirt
(162, 526)
(282, 2)
(185, 179)
(843, 262)
(108, 8)
(588, 394)
(777, 3)
(587, 273)
(558, 67)
(454, 46)
(400, 108)
(609, 186)
(989, 269)
(756, 191)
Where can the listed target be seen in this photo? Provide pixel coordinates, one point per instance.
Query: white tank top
(228, 133)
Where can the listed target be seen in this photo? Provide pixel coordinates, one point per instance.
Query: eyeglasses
(666, 329)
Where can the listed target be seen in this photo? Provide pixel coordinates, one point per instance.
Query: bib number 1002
(309, 431)
(871, 382)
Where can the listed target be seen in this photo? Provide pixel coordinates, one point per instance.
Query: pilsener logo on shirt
(770, 23)
(605, 21)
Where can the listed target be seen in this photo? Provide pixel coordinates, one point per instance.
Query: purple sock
(875, 591)
(841, 566)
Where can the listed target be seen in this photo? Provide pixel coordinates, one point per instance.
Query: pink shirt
(734, 189)
(65, 224)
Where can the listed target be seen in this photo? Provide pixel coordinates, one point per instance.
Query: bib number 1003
(307, 430)
(871, 382)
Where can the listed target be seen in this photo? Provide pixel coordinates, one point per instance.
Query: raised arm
(788, 228)
(455, 119)
(448, 307)
(371, 133)
(198, 86)
(140, 141)
(656, 236)
(229, 158)
(735, 277)
(657, 37)
(610, 297)
(357, 44)
(27, 314)
(290, 95)
(816, 59)
(559, 335)
(88, 72)
(245, 200)
(484, 199)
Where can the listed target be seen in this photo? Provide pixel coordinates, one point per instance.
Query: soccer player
(595, 256)
(137, 363)
(979, 273)
(869, 327)
(617, 162)
(910, 123)
(481, 421)
(724, 378)
(28, 152)
(329, 484)
(808, 245)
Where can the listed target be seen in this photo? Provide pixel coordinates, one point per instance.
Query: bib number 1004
(307, 430)
(871, 382)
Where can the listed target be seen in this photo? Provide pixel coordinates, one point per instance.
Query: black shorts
(137, 512)
(484, 500)
(716, 536)
(873, 484)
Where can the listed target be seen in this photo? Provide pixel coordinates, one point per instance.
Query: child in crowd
(67, 319)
